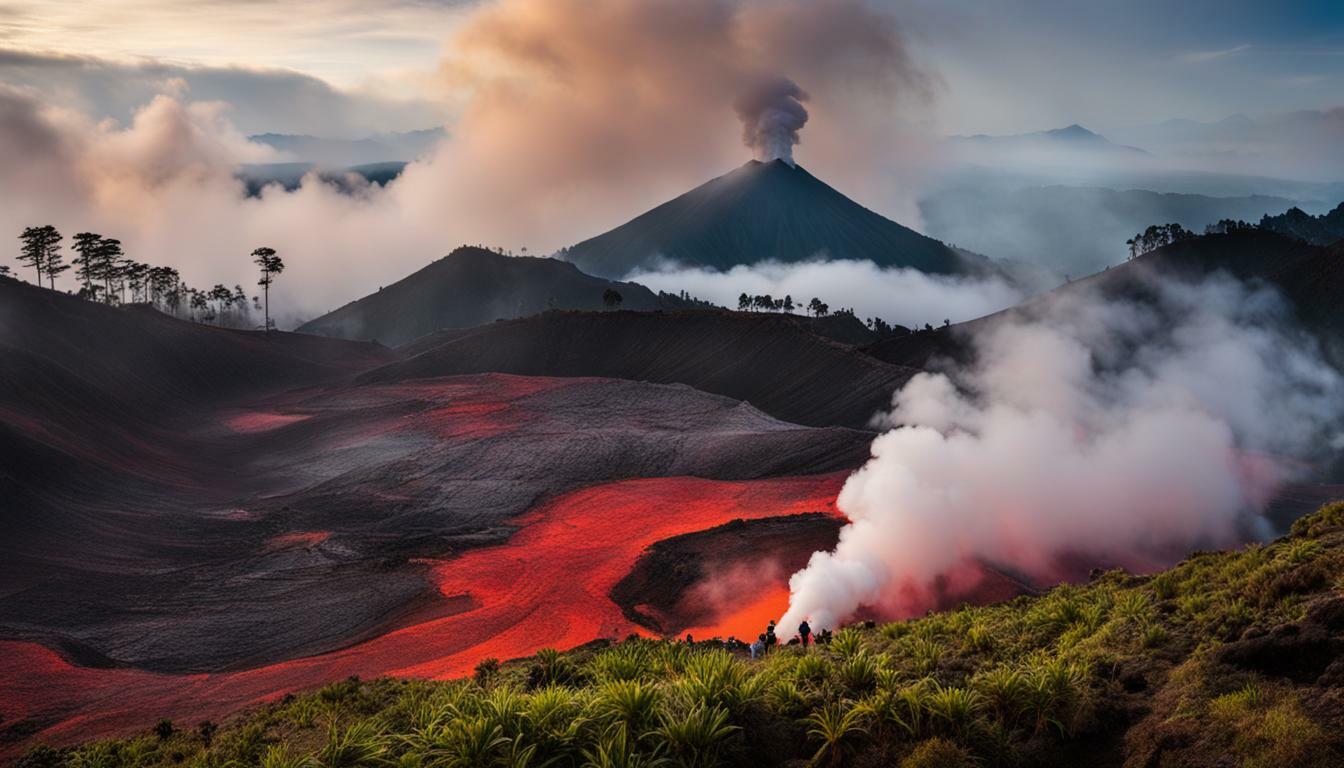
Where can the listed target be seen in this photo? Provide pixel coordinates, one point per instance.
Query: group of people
(768, 639)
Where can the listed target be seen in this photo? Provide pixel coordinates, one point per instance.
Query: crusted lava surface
(195, 519)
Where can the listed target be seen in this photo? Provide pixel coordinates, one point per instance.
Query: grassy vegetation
(1176, 669)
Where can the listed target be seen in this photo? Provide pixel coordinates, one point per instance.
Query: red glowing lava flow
(546, 587)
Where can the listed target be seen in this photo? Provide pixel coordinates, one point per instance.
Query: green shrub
(938, 753)
(837, 730)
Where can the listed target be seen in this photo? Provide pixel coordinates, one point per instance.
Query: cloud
(901, 296)
(261, 100)
(1202, 57)
(1097, 428)
(572, 116)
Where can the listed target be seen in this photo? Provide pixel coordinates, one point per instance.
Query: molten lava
(546, 587)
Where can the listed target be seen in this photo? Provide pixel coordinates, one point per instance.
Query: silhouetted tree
(52, 258)
(743, 302)
(86, 245)
(4, 270)
(788, 303)
(222, 297)
(271, 265)
(107, 265)
(1157, 236)
(33, 250)
(200, 305)
(612, 298)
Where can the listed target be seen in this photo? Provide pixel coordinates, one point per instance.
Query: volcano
(764, 212)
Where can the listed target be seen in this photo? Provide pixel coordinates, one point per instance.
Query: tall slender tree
(52, 258)
(108, 270)
(270, 265)
(86, 245)
(33, 252)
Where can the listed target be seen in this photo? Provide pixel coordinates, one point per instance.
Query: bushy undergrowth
(1101, 673)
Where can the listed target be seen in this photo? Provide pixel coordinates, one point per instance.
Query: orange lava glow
(546, 587)
(297, 539)
(259, 421)
(750, 620)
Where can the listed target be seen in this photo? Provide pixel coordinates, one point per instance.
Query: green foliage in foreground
(1124, 670)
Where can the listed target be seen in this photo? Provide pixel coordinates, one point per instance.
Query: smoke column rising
(1123, 431)
(772, 114)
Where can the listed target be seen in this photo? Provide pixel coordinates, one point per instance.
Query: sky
(565, 118)
(347, 67)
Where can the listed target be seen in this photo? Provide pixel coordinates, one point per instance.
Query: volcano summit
(770, 211)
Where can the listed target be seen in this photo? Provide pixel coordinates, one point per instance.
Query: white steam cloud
(1121, 431)
(772, 114)
(900, 296)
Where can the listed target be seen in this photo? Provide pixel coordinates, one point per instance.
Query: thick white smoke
(772, 114)
(900, 296)
(1121, 431)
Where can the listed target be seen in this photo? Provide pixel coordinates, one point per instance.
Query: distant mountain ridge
(473, 286)
(379, 148)
(763, 212)
(1073, 136)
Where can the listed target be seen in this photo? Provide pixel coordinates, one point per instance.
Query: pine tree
(271, 265)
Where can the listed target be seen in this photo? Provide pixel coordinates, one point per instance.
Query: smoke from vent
(772, 114)
(1118, 432)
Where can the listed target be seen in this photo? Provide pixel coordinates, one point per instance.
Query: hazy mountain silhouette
(762, 212)
(473, 286)
(1072, 137)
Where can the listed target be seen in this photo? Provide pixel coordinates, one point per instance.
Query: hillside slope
(762, 212)
(1309, 276)
(472, 286)
(148, 361)
(770, 361)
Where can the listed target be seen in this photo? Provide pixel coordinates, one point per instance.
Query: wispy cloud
(1201, 57)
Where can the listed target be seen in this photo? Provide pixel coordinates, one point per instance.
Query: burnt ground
(304, 537)
(773, 361)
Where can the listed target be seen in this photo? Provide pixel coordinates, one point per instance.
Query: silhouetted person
(689, 640)
(770, 639)
(758, 647)
(804, 632)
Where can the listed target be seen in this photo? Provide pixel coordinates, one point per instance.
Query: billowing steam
(1121, 431)
(772, 113)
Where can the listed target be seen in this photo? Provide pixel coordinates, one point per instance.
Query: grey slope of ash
(772, 361)
(473, 286)
(138, 528)
(762, 212)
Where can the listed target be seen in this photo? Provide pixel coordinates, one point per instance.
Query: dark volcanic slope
(1311, 277)
(311, 538)
(760, 212)
(142, 360)
(770, 361)
(468, 287)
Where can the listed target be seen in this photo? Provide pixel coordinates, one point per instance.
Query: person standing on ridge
(770, 640)
(804, 632)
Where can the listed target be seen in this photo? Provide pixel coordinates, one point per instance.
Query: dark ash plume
(772, 113)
